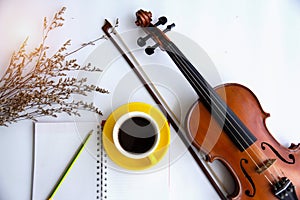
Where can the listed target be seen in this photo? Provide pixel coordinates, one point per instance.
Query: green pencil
(69, 167)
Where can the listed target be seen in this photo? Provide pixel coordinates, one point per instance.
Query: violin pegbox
(143, 19)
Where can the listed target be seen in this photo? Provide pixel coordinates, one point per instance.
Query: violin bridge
(266, 165)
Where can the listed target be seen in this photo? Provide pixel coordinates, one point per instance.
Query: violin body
(209, 136)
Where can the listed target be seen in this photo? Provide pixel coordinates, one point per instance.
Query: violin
(227, 123)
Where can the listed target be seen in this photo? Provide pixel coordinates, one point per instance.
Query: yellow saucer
(130, 163)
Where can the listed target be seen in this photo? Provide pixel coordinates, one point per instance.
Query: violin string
(269, 179)
(192, 75)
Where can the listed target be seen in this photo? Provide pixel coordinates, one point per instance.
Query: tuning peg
(141, 41)
(161, 21)
(169, 27)
(150, 50)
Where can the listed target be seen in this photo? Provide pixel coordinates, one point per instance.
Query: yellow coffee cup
(136, 136)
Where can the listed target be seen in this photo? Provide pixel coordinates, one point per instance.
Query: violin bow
(162, 105)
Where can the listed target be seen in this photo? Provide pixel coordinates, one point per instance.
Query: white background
(254, 43)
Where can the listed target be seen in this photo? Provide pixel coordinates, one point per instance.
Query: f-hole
(248, 192)
(291, 156)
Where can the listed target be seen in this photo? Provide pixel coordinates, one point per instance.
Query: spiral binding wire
(101, 175)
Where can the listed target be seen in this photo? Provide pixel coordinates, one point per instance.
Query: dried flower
(36, 84)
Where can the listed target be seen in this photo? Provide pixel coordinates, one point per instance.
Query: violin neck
(231, 124)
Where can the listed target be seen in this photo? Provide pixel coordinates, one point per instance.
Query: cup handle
(152, 159)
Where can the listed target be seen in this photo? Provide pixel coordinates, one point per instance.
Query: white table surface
(254, 43)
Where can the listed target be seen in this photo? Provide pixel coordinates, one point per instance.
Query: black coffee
(137, 135)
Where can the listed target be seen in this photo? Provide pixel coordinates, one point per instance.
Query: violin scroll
(143, 18)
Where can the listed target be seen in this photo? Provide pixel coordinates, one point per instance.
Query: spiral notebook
(95, 176)
(54, 147)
